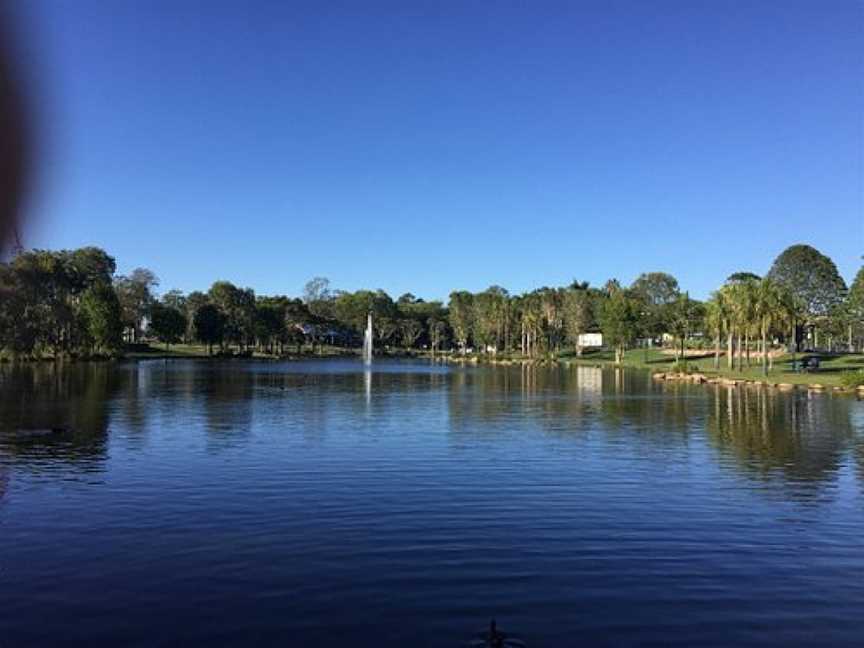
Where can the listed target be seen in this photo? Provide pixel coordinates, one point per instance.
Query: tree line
(72, 303)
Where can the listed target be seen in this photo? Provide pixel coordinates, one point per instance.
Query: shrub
(852, 379)
(682, 366)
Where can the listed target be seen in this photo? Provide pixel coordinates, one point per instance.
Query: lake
(316, 504)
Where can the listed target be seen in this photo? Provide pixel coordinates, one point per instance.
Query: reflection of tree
(229, 396)
(4, 481)
(856, 420)
(561, 400)
(799, 436)
(57, 412)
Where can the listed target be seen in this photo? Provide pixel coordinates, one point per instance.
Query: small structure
(590, 340)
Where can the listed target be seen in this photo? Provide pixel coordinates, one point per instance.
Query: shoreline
(779, 380)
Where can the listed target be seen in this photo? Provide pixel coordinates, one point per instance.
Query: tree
(530, 309)
(619, 321)
(135, 293)
(269, 322)
(716, 318)
(100, 309)
(742, 277)
(238, 306)
(168, 324)
(461, 314)
(742, 299)
(769, 311)
(684, 315)
(657, 292)
(578, 313)
(194, 300)
(812, 279)
(437, 332)
(17, 332)
(175, 299)
(89, 266)
(491, 317)
(855, 309)
(406, 298)
(209, 325)
(297, 316)
(318, 297)
(410, 329)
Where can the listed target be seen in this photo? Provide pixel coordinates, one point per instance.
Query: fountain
(367, 341)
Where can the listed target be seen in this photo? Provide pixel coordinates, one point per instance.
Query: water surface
(316, 503)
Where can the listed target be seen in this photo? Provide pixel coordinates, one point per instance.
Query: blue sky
(427, 147)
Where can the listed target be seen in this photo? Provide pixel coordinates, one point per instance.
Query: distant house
(589, 340)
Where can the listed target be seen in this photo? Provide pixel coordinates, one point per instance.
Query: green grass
(158, 350)
(832, 366)
(143, 351)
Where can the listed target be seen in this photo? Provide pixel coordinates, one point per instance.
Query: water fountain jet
(367, 341)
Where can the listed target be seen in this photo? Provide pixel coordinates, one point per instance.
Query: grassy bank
(158, 351)
(832, 366)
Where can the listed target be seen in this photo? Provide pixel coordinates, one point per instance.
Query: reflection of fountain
(367, 341)
(367, 385)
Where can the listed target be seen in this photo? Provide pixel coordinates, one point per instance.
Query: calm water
(314, 504)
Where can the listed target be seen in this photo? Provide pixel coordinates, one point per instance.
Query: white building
(589, 340)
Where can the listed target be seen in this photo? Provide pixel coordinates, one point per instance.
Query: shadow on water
(51, 412)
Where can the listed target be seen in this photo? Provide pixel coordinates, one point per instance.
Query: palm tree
(768, 309)
(743, 298)
(789, 314)
(726, 300)
(718, 319)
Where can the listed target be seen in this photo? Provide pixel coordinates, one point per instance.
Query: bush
(852, 379)
(682, 366)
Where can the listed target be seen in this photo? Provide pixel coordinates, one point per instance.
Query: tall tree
(318, 297)
(410, 330)
(656, 292)
(194, 300)
(619, 319)
(135, 293)
(577, 307)
(209, 325)
(855, 309)
(461, 310)
(437, 332)
(490, 310)
(812, 279)
(167, 324)
(769, 312)
(684, 317)
(175, 299)
(717, 317)
(238, 306)
(101, 312)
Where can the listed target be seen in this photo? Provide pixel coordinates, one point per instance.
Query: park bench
(806, 365)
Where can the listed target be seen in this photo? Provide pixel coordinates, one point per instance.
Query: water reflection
(51, 412)
(62, 413)
(332, 500)
(798, 437)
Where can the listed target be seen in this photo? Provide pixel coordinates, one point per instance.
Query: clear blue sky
(426, 147)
